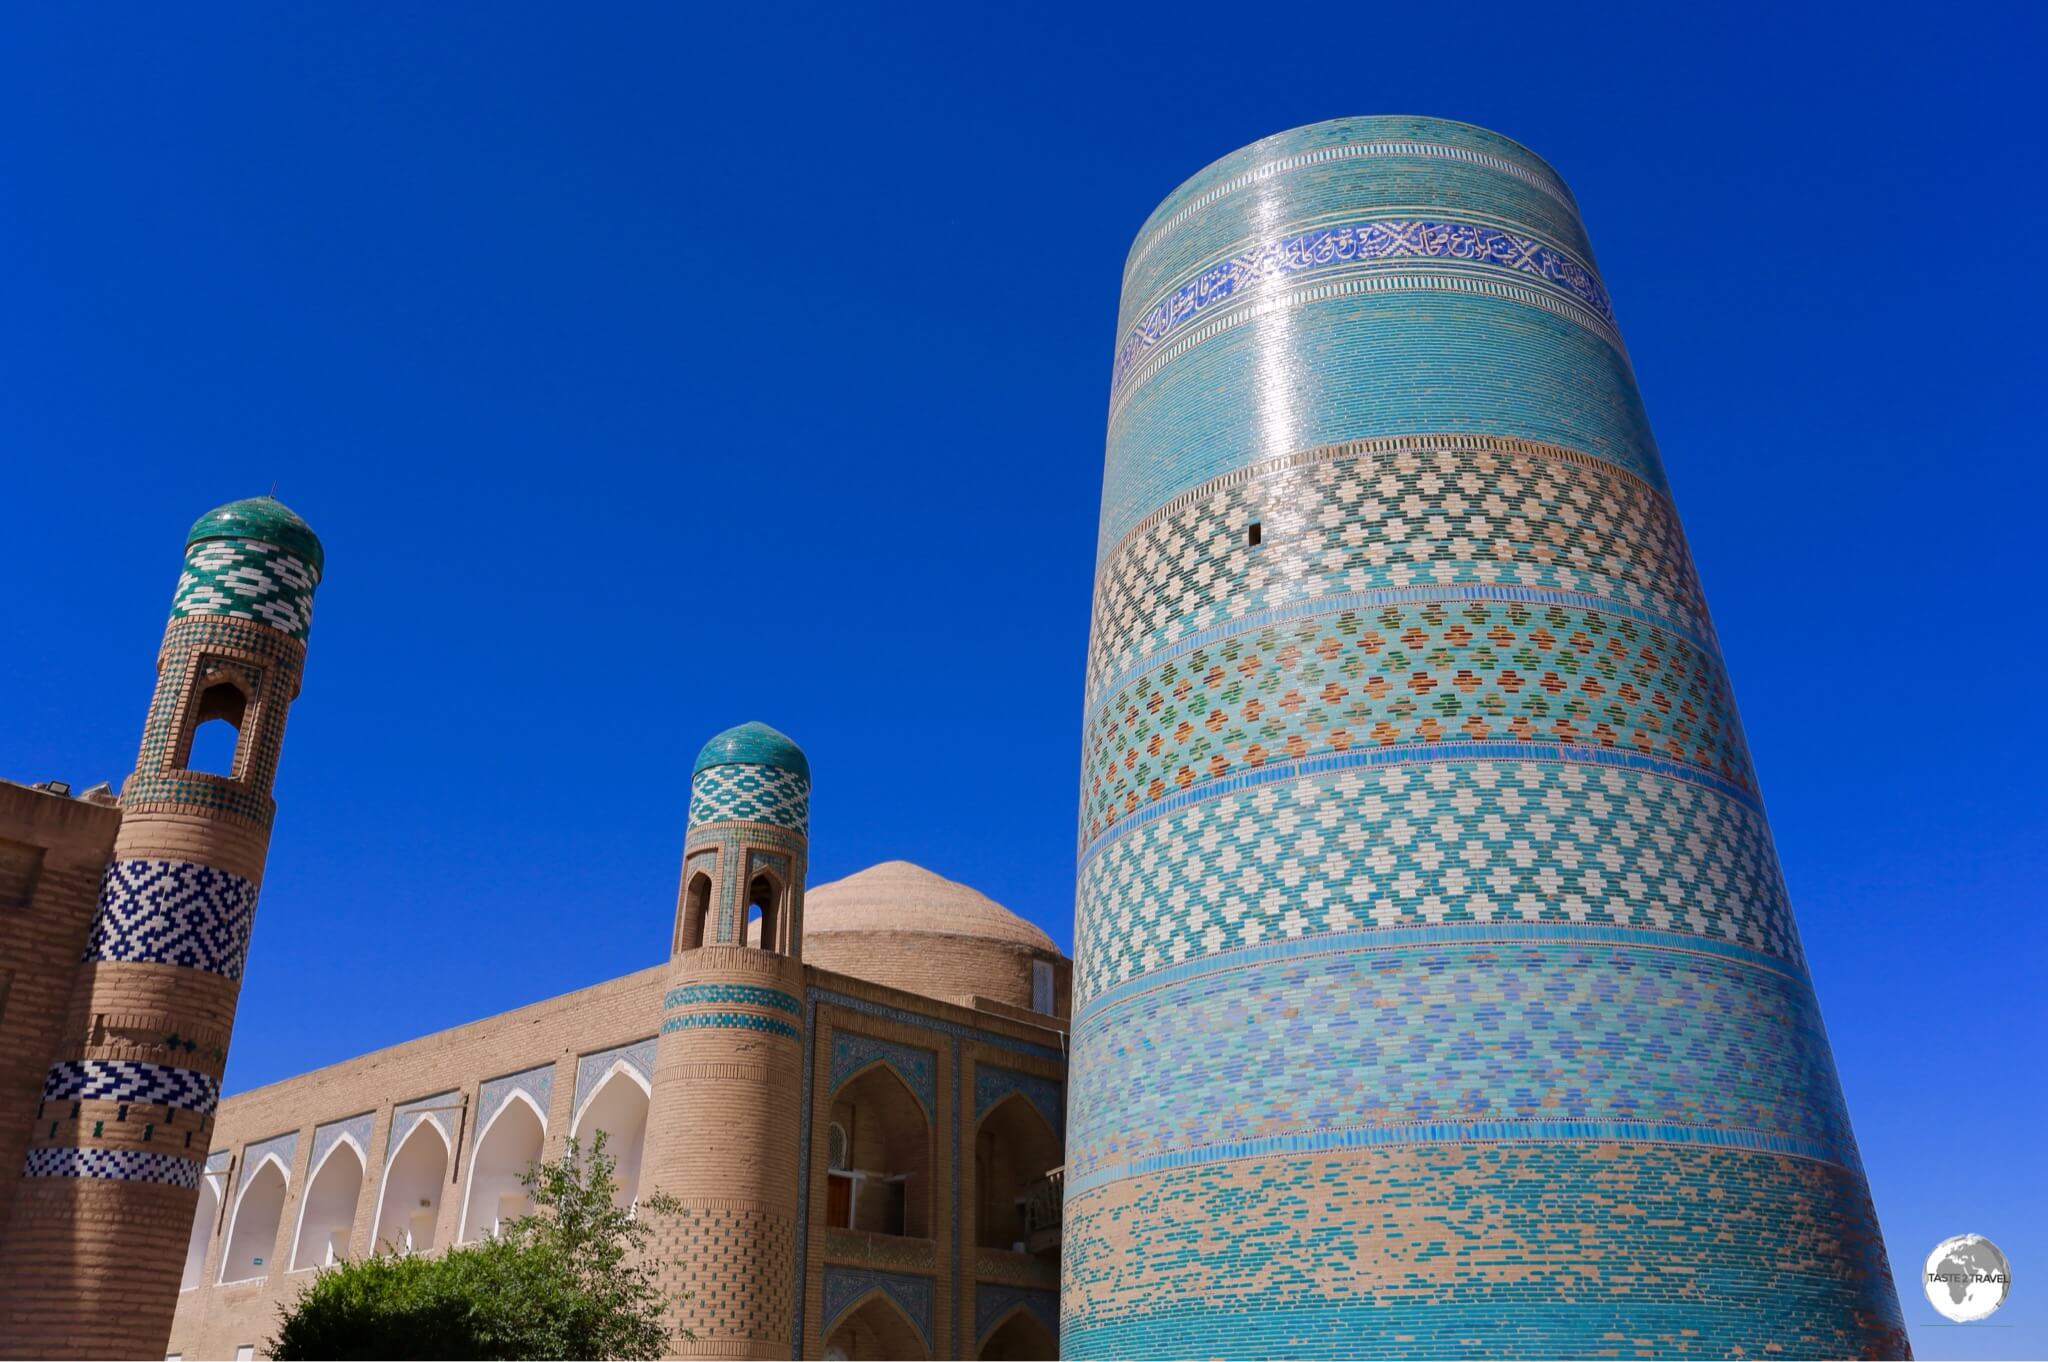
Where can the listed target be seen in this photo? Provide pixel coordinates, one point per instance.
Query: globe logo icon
(1967, 1278)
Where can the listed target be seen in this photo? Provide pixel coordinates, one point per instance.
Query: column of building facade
(91, 1258)
(1437, 990)
(723, 1126)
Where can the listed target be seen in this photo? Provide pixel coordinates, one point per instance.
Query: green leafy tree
(570, 1280)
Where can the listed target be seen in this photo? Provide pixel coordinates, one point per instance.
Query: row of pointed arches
(406, 1212)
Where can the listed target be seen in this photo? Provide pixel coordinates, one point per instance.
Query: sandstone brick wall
(52, 851)
(213, 1319)
(744, 1257)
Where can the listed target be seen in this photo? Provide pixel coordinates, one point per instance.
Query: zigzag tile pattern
(127, 1080)
(173, 913)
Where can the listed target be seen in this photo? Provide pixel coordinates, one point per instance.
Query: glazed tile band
(1370, 244)
(1150, 237)
(113, 1165)
(691, 995)
(1463, 1132)
(134, 1082)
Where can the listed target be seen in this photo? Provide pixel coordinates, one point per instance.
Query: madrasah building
(1435, 993)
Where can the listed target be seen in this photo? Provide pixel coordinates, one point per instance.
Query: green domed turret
(252, 559)
(261, 518)
(753, 744)
(751, 774)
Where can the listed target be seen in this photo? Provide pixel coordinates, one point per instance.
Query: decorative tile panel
(437, 1110)
(281, 1146)
(591, 1069)
(846, 1287)
(538, 1084)
(852, 1052)
(356, 1128)
(1049, 1096)
(993, 1302)
(173, 913)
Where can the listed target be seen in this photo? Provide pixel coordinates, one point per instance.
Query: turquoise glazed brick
(1436, 987)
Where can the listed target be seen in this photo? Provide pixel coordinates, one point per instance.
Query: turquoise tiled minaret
(1436, 988)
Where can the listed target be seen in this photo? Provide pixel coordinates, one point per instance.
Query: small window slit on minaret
(1252, 535)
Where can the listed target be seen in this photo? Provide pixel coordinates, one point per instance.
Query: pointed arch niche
(612, 1095)
(1018, 1140)
(874, 1315)
(415, 1174)
(879, 1172)
(509, 1141)
(334, 1188)
(259, 1210)
(204, 1218)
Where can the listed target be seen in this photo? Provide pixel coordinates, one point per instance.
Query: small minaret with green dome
(93, 1254)
(722, 1132)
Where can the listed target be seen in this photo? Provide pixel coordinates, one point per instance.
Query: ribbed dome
(753, 744)
(262, 518)
(897, 896)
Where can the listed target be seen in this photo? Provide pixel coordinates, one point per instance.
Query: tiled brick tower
(1436, 989)
(91, 1257)
(722, 1131)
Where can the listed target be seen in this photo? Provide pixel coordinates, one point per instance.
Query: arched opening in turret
(1014, 1149)
(510, 1145)
(411, 1204)
(252, 1233)
(327, 1217)
(1019, 1338)
(764, 913)
(875, 1330)
(696, 908)
(214, 744)
(202, 1233)
(885, 1185)
(619, 1109)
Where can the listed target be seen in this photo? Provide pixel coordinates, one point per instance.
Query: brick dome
(897, 896)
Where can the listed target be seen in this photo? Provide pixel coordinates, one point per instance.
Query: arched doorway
(1014, 1148)
(410, 1207)
(252, 1233)
(327, 1217)
(509, 1146)
(884, 1185)
(202, 1233)
(1019, 1338)
(876, 1330)
(619, 1109)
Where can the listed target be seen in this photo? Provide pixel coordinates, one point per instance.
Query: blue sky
(647, 369)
